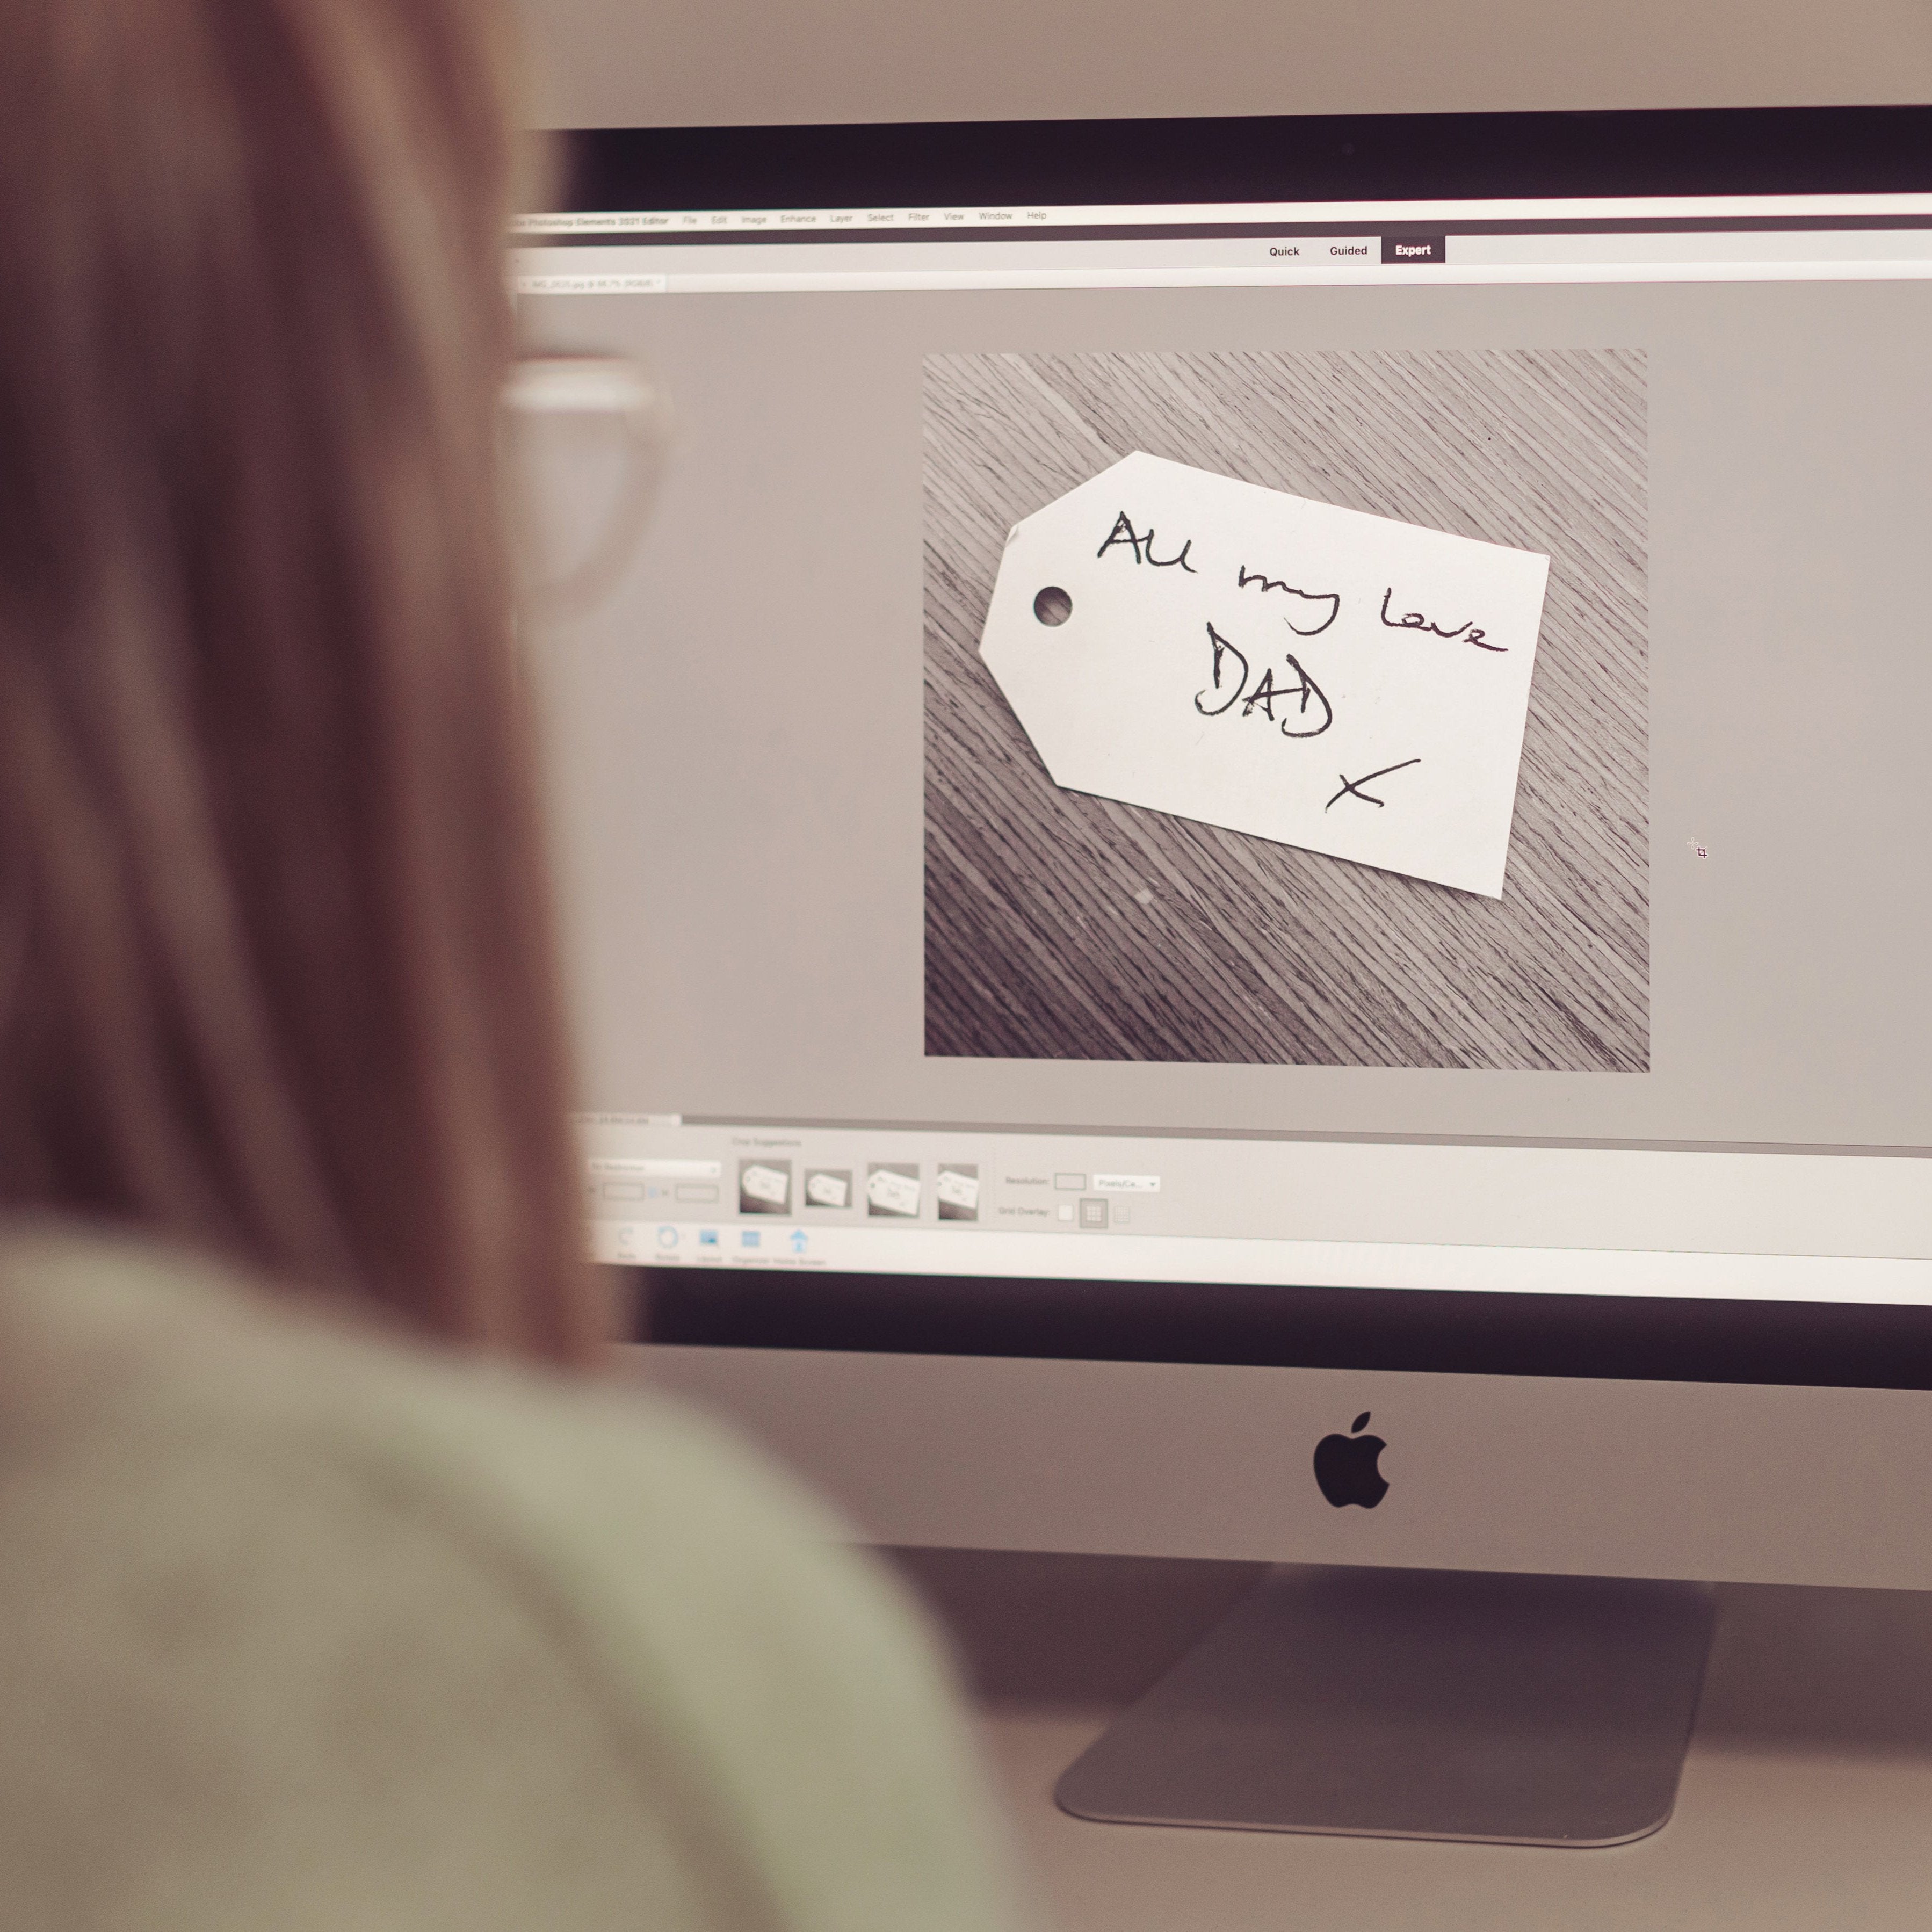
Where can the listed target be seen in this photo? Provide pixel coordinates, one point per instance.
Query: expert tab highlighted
(1402, 249)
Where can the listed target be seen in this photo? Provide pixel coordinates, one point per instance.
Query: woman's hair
(275, 966)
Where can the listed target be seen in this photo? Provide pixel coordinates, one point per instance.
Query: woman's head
(274, 965)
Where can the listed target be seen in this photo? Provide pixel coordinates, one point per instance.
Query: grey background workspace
(744, 717)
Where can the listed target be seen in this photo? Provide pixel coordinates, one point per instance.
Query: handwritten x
(1352, 787)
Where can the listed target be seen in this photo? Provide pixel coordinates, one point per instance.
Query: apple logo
(1345, 1467)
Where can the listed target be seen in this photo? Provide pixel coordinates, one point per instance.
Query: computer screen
(1235, 740)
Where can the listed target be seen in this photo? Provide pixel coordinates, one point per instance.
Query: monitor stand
(1417, 1704)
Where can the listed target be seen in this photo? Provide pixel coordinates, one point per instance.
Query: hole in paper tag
(1317, 676)
(1053, 605)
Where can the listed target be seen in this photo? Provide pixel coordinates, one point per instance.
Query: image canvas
(1288, 707)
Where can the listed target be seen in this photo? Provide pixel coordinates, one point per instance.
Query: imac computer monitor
(1248, 854)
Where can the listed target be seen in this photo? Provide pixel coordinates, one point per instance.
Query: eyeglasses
(587, 435)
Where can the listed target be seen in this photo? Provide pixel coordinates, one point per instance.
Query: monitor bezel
(1460, 1331)
(1661, 151)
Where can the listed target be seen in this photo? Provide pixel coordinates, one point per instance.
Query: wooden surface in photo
(1063, 926)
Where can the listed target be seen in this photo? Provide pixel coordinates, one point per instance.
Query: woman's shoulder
(777, 1703)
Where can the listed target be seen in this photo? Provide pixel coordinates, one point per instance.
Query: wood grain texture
(1062, 926)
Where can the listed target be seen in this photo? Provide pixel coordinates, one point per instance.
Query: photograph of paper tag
(1320, 737)
(892, 1188)
(957, 1189)
(1347, 683)
(828, 1187)
(764, 1187)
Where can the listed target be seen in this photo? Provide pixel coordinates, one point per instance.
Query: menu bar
(1173, 214)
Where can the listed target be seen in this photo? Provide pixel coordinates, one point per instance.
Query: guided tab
(1322, 251)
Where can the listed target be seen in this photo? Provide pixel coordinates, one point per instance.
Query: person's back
(298, 1630)
(317, 1608)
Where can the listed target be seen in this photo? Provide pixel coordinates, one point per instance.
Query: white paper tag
(766, 1183)
(1331, 680)
(827, 1190)
(891, 1193)
(957, 1190)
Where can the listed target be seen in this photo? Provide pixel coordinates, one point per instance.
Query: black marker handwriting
(1302, 691)
(1142, 544)
(1304, 688)
(1244, 576)
(1413, 620)
(1222, 649)
(1352, 787)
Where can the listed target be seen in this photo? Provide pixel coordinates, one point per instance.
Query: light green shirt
(302, 1629)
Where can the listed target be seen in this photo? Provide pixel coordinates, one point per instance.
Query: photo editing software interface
(1377, 744)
